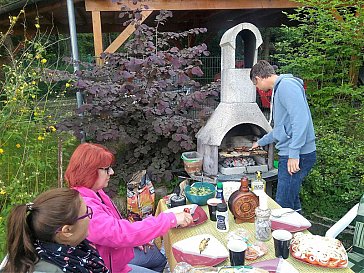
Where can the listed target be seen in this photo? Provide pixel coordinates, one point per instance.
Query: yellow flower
(43, 61)
(14, 99)
(35, 114)
(2, 192)
(18, 145)
(53, 128)
(34, 82)
(67, 85)
(37, 26)
(40, 138)
(33, 96)
(1, 151)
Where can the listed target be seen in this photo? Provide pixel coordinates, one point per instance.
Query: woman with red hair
(88, 172)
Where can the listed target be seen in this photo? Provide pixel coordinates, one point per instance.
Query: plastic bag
(140, 197)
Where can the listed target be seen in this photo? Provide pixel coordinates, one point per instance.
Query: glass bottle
(259, 183)
(263, 225)
(220, 191)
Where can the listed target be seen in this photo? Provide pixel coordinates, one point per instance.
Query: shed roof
(212, 14)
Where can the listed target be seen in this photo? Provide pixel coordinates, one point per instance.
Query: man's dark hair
(262, 69)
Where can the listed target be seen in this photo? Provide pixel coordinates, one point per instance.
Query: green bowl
(200, 200)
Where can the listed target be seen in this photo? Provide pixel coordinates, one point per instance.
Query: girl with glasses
(115, 238)
(49, 234)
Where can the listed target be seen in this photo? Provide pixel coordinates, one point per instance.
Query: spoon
(285, 213)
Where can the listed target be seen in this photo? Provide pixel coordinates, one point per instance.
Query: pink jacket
(115, 237)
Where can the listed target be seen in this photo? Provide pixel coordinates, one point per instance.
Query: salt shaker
(263, 231)
(222, 218)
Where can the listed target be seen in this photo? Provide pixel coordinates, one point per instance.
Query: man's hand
(293, 165)
(255, 145)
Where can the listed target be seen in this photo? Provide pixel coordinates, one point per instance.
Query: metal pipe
(74, 46)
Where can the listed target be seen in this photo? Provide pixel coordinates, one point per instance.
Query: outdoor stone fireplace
(237, 121)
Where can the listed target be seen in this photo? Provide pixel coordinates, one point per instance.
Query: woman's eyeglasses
(89, 213)
(107, 169)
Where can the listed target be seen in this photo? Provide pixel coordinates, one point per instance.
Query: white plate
(187, 250)
(292, 222)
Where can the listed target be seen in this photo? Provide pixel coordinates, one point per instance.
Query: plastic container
(222, 218)
(275, 164)
(192, 161)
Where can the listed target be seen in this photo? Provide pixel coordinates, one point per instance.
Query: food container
(200, 199)
(192, 161)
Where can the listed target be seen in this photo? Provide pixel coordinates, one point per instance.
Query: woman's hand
(183, 219)
(145, 247)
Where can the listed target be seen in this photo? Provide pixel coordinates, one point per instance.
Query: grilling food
(203, 244)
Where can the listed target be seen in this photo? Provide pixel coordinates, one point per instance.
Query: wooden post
(129, 30)
(96, 25)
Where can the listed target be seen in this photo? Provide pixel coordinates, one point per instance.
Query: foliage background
(28, 137)
(136, 103)
(326, 50)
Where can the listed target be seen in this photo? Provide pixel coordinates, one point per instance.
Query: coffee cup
(237, 250)
(282, 239)
(212, 205)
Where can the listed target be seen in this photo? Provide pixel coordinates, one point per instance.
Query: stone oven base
(271, 177)
(242, 170)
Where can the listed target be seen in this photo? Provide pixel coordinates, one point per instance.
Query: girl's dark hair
(38, 221)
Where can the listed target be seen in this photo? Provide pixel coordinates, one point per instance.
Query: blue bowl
(200, 200)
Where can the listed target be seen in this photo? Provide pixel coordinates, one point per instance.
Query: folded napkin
(277, 265)
(293, 219)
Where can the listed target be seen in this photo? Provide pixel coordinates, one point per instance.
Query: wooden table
(175, 235)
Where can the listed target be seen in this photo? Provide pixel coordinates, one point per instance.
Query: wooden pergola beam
(96, 25)
(129, 30)
(108, 5)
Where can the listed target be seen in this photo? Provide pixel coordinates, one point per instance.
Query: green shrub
(337, 180)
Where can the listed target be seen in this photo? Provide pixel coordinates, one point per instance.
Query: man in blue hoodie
(293, 132)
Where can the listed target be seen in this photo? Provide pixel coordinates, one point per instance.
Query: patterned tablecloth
(177, 234)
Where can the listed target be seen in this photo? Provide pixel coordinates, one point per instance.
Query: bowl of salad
(199, 192)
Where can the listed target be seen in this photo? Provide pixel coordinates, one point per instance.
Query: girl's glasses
(89, 213)
(107, 169)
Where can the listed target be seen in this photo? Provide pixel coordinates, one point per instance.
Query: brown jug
(243, 202)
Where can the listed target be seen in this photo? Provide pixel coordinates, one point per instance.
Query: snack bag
(140, 197)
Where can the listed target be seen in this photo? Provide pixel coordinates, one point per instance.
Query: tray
(318, 251)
